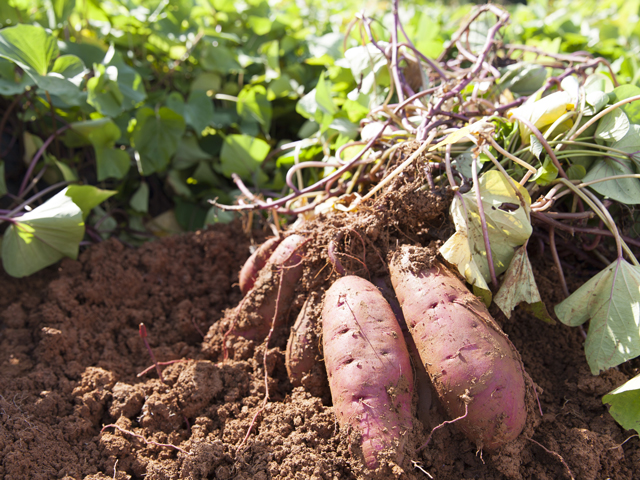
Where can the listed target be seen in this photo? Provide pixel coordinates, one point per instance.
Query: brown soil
(70, 355)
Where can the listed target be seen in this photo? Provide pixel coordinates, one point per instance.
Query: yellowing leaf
(458, 135)
(507, 223)
(611, 301)
(457, 249)
(519, 286)
(542, 113)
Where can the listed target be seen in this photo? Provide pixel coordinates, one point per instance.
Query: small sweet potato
(255, 263)
(467, 356)
(269, 299)
(368, 366)
(303, 359)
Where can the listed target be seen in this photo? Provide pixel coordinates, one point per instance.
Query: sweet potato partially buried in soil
(368, 367)
(272, 291)
(255, 263)
(303, 358)
(469, 359)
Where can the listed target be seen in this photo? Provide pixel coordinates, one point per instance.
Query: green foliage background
(161, 101)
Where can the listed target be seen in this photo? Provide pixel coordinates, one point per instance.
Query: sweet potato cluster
(475, 371)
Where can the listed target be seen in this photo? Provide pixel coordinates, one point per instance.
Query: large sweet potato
(467, 356)
(368, 366)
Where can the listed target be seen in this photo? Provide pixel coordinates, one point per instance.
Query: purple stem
(260, 205)
(37, 156)
(544, 143)
(483, 222)
(142, 330)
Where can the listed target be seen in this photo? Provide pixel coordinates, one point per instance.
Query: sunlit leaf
(543, 112)
(242, 154)
(625, 404)
(87, 197)
(156, 136)
(102, 134)
(253, 105)
(43, 236)
(30, 47)
(613, 126)
(611, 303)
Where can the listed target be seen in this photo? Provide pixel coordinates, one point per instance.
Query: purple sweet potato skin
(422, 383)
(255, 263)
(368, 367)
(464, 351)
(303, 358)
(256, 313)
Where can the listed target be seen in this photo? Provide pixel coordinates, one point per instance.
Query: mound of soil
(72, 404)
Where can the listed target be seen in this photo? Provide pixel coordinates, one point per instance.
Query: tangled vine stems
(444, 104)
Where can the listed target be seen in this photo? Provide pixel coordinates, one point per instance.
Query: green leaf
(140, 199)
(30, 47)
(323, 96)
(576, 172)
(625, 404)
(536, 146)
(630, 143)
(216, 215)
(368, 66)
(611, 302)
(43, 236)
(217, 58)
(507, 223)
(69, 66)
(545, 174)
(625, 190)
(104, 93)
(243, 155)
(130, 85)
(155, 137)
(87, 197)
(102, 134)
(519, 286)
(522, 78)
(189, 153)
(33, 50)
(198, 111)
(253, 105)
(68, 174)
(613, 126)
(631, 109)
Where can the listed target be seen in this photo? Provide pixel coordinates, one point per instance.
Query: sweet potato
(422, 383)
(303, 359)
(467, 356)
(257, 311)
(368, 366)
(255, 263)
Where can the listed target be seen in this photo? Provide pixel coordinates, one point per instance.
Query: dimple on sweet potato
(368, 366)
(467, 356)
(268, 301)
